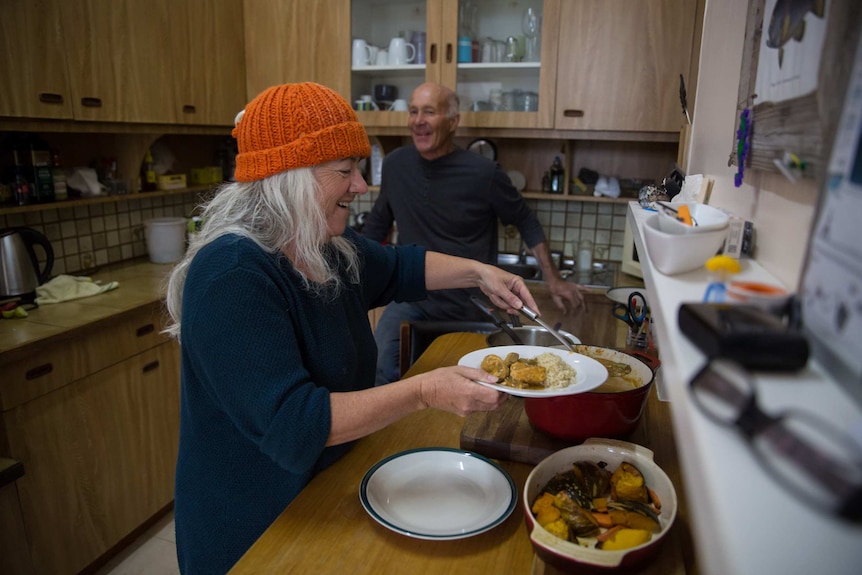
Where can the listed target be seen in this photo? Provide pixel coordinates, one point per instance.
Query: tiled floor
(154, 553)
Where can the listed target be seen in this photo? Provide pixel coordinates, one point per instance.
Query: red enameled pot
(596, 414)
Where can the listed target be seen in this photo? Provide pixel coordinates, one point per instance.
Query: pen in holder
(638, 336)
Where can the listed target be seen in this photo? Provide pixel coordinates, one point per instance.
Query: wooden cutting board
(506, 434)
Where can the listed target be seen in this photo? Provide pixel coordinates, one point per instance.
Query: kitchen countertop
(744, 522)
(141, 283)
(326, 530)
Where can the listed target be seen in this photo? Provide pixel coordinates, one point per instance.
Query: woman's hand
(453, 389)
(505, 290)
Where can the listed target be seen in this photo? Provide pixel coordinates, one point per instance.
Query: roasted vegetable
(627, 483)
(624, 539)
(594, 479)
(633, 514)
(581, 522)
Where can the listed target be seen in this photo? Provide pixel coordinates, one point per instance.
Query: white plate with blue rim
(589, 373)
(438, 493)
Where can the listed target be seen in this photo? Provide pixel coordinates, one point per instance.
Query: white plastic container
(166, 239)
(673, 254)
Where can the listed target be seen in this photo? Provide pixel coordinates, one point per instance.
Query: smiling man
(449, 200)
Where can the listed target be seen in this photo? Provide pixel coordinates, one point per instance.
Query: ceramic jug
(401, 52)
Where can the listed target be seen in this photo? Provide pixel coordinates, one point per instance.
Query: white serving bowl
(573, 557)
(708, 219)
(770, 297)
(679, 253)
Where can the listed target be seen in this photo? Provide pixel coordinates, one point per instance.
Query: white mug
(399, 49)
(382, 58)
(399, 105)
(360, 53)
(369, 99)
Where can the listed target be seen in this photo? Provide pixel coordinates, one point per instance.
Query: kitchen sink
(600, 276)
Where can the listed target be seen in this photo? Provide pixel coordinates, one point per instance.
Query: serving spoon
(535, 317)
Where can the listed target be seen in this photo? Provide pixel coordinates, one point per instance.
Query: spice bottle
(148, 173)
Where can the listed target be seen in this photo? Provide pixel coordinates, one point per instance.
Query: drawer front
(49, 367)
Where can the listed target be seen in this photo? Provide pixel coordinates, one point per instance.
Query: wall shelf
(100, 200)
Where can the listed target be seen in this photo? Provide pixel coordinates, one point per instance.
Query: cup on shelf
(401, 52)
(382, 58)
(372, 54)
(361, 55)
(399, 105)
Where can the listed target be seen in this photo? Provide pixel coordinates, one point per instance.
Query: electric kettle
(20, 271)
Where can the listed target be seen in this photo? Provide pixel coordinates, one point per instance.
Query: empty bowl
(679, 253)
(706, 218)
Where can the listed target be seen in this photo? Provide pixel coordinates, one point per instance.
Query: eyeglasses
(812, 459)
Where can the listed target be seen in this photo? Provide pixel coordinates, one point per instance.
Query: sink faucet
(522, 254)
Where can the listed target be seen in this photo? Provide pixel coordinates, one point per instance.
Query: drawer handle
(573, 113)
(433, 53)
(449, 53)
(145, 330)
(189, 109)
(39, 371)
(150, 366)
(91, 102)
(49, 98)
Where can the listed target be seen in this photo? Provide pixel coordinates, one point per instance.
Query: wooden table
(326, 530)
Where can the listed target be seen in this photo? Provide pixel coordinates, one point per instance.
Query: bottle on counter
(557, 176)
(148, 173)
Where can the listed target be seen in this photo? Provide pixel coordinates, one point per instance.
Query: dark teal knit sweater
(260, 356)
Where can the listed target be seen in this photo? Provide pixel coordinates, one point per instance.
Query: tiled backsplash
(565, 223)
(85, 237)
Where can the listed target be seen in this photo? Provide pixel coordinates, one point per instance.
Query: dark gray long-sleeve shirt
(450, 205)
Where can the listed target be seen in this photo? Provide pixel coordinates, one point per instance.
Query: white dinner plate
(589, 373)
(438, 493)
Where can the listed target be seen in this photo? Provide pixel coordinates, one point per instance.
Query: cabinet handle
(150, 366)
(449, 53)
(91, 102)
(145, 330)
(49, 98)
(432, 54)
(39, 371)
(189, 109)
(573, 113)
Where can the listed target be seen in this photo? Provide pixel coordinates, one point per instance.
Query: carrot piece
(600, 504)
(609, 533)
(684, 215)
(654, 498)
(603, 519)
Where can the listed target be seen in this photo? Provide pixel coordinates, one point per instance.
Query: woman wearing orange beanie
(270, 306)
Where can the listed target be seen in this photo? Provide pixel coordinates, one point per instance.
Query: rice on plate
(558, 373)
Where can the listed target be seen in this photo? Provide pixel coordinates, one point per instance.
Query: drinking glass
(530, 28)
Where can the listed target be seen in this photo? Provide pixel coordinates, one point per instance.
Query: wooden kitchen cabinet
(297, 41)
(378, 21)
(99, 449)
(120, 67)
(35, 81)
(211, 79)
(619, 64)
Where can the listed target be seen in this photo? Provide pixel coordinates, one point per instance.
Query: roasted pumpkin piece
(625, 539)
(627, 484)
(634, 515)
(545, 510)
(559, 528)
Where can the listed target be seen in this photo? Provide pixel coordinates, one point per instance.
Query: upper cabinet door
(463, 44)
(297, 41)
(211, 80)
(120, 66)
(35, 82)
(619, 64)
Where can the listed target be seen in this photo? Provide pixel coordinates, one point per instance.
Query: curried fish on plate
(545, 371)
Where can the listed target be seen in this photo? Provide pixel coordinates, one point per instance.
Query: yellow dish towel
(64, 288)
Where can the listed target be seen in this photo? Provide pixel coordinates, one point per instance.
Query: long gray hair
(281, 214)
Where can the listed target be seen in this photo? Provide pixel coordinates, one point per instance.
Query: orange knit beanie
(296, 125)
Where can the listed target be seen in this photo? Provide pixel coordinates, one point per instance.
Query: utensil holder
(638, 338)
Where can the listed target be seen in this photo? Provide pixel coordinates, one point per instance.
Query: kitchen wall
(782, 212)
(86, 237)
